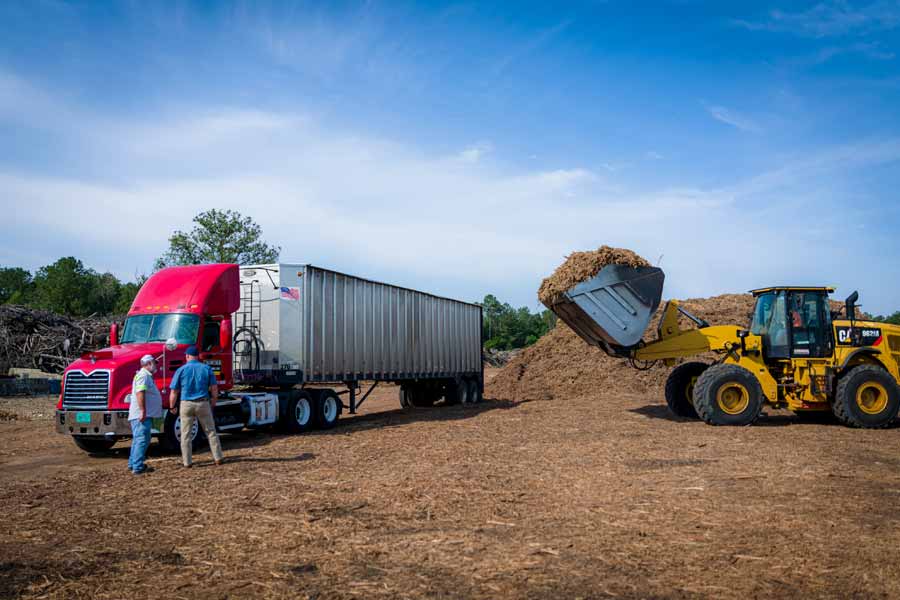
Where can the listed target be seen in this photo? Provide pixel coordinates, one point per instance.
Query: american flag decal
(290, 293)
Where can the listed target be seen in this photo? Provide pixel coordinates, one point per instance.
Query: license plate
(82, 417)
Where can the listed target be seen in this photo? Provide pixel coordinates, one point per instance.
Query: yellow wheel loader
(795, 354)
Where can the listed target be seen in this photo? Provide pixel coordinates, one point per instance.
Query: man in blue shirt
(195, 384)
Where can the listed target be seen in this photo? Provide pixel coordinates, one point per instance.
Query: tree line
(506, 327)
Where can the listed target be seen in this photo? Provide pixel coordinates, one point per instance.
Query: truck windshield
(159, 328)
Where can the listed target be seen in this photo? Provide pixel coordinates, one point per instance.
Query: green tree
(15, 285)
(893, 319)
(506, 327)
(219, 236)
(66, 287)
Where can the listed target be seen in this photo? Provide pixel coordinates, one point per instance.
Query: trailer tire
(93, 445)
(170, 436)
(728, 394)
(457, 393)
(867, 397)
(474, 391)
(328, 409)
(680, 388)
(404, 395)
(301, 413)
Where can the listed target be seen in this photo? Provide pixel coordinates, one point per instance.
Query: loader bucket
(613, 309)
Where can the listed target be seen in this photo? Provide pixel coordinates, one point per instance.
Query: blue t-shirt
(194, 379)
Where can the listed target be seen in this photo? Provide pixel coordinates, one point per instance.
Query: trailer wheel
(93, 445)
(403, 393)
(866, 397)
(171, 434)
(300, 412)
(328, 409)
(680, 388)
(457, 393)
(728, 395)
(474, 391)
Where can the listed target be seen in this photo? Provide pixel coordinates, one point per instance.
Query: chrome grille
(89, 392)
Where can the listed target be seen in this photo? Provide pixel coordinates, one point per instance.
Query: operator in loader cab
(195, 385)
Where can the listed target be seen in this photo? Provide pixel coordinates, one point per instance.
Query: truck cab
(175, 308)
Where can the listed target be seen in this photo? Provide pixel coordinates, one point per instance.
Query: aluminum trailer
(300, 325)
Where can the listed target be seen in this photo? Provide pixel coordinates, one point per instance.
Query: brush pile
(39, 339)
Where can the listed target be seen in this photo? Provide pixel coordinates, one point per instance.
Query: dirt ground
(590, 496)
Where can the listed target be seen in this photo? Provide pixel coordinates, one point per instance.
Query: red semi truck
(281, 338)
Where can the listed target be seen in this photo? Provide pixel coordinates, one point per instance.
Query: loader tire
(680, 388)
(728, 395)
(866, 397)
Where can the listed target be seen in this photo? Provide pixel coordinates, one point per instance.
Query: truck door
(810, 323)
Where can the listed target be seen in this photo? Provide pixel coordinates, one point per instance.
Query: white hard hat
(147, 359)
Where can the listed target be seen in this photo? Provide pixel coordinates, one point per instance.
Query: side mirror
(225, 336)
(114, 334)
(171, 344)
(850, 304)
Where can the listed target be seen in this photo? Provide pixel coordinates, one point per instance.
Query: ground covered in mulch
(592, 494)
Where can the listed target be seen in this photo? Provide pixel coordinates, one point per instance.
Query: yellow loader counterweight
(795, 354)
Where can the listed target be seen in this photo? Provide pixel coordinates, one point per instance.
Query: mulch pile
(580, 266)
(562, 365)
(39, 339)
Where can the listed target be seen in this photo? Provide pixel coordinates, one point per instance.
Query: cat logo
(867, 336)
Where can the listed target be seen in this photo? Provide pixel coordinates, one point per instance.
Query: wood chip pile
(39, 339)
(580, 266)
(562, 365)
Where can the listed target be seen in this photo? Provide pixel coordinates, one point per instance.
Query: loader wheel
(866, 397)
(680, 388)
(728, 395)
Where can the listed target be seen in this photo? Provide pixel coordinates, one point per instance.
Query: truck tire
(867, 397)
(301, 412)
(170, 438)
(680, 388)
(728, 395)
(328, 409)
(93, 445)
(474, 391)
(457, 393)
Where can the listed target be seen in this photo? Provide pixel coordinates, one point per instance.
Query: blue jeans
(140, 439)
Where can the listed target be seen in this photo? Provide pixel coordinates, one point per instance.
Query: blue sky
(463, 148)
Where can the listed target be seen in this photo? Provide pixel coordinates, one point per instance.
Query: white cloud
(831, 18)
(475, 152)
(733, 118)
(396, 212)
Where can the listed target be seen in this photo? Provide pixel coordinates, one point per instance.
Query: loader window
(770, 322)
(810, 325)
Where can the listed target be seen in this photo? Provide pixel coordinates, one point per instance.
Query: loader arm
(735, 345)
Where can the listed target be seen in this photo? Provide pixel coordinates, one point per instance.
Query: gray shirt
(143, 382)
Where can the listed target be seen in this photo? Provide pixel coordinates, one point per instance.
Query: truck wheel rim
(330, 409)
(872, 398)
(302, 412)
(733, 398)
(195, 428)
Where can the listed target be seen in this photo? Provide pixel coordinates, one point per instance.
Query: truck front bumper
(96, 423)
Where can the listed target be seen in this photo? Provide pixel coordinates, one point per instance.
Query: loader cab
(794, 322)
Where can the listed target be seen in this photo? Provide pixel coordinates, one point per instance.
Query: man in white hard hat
(146, 404)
